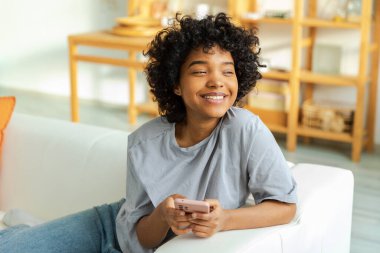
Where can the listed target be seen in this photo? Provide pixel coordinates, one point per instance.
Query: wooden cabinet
(304, 33)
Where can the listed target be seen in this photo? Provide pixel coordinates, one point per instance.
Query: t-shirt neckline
(195, 146)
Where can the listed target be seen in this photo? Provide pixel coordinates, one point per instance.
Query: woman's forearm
(152, 229)
(265, 214)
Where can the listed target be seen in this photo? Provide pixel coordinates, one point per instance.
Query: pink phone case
(191, 206)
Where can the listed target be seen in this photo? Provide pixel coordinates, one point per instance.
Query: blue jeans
(92, 230)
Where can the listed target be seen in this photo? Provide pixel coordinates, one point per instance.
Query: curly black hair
(171, 46)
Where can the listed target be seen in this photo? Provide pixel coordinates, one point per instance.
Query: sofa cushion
(53, 168)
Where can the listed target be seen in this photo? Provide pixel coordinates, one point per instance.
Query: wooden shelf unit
(321, 23)
(369, 49)
(276, 75)
(342, 80)
(278, 21)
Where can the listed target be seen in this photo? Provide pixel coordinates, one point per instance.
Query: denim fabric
(92, 230)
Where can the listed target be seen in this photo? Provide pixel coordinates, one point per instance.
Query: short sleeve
(136, 206)
(270, 177)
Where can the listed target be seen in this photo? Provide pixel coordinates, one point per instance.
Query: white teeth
(214, 97)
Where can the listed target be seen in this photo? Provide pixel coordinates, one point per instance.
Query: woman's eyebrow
(196, 62)
(205, 62)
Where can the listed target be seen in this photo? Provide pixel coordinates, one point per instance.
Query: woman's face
(208, 84)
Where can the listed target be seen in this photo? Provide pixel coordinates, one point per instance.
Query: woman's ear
(177, 91)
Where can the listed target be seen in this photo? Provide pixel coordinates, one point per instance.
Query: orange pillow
(6, 108)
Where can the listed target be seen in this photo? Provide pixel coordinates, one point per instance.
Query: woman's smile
(214, 97)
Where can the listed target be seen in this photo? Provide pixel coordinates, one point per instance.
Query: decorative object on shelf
(137, 26)
(277, 14)
(327, 116)
(146, 19)
(334, 10)
(353, 11)
(252, 15)
(327, 59)
(272, 96)
(341, 11)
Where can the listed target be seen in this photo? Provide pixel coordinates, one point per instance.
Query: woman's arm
(265, 214)
(152, 229)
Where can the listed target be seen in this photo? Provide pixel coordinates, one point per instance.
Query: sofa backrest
(52, 168)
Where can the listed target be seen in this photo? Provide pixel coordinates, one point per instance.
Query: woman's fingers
(201, 216)
(201, 234)
(170, 200)
(181, 228)
(207, 224)
(181, 231)
(183, 225)
(202, 231)
(201, 223)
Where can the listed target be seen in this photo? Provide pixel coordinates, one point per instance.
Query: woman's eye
(199, 72)
(228, 73)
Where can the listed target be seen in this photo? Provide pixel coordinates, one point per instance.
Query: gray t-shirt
(240, 157)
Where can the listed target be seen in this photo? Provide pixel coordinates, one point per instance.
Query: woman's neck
(191, 132)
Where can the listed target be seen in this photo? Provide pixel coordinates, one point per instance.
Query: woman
(202, 148)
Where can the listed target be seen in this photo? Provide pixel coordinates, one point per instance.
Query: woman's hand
(178, 220)
(207, 224)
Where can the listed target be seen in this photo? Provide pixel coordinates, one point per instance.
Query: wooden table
(105, 39)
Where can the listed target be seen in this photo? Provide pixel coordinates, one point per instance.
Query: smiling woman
(174, 45)
(203, 147)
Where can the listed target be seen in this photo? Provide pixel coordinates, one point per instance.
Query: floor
(366, 211)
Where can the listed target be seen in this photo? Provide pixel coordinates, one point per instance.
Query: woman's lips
(214, 97)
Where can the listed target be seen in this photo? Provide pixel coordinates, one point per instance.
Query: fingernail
(194, 215)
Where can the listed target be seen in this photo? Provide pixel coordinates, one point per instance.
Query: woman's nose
(215, 82)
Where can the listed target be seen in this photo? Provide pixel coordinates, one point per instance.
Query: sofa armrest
(322, 222)
(250, 240)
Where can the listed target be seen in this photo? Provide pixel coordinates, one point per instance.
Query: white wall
(34, 55)
(34, 51)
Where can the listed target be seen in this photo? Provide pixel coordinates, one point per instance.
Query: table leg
(73, 83)
(132, 74)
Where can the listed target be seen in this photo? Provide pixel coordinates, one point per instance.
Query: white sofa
(51, 168)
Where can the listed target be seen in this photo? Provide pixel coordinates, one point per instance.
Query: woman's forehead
(213, 52)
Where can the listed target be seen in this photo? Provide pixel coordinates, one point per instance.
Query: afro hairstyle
(171, 46)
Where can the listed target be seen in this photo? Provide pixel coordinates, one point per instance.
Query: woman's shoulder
(239, 117)
(241, 121)
(149, 130)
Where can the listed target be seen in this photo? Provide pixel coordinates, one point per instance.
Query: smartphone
(192, 206)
